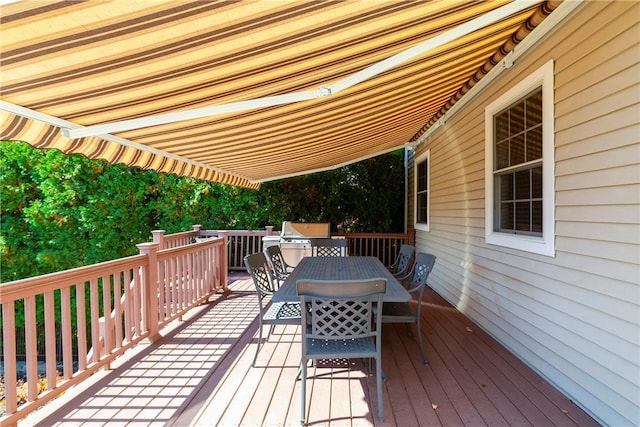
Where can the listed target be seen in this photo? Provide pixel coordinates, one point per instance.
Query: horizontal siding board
(605, 63)
(621, 175)
(612, 232)
(444, 171)
(621, 83)
(613, 196)
(602, 126)
(624, 98)
(619, 157)
(624, 214)
(596, 143)
(623, 252)
(596, 18)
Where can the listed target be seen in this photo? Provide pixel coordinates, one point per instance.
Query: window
(519, 165)
(421, 184)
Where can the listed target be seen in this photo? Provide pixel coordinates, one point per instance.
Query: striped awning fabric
(241, 92)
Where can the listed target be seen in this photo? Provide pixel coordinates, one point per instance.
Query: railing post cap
(148, 246)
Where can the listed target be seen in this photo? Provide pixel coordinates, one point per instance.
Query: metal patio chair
(271, 313)
(401, 268)
(338, 325)
(403, 312)
(329, 247)
(281, 269)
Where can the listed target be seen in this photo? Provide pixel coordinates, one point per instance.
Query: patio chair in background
(401, 268)
(271, 313)
(403, 312)
(329, 247)
(281, 269)
(338, 325)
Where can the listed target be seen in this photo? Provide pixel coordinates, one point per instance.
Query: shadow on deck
(200, 374)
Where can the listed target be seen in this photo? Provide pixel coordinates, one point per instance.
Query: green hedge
(60, 212)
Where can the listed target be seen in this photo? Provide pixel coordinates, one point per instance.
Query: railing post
(150, 289)
(224, 259)
(269, 229)
(158, 237)
(412, 237)
(196, 228)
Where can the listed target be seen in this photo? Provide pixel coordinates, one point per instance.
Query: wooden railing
(116, 304)
(384, 246)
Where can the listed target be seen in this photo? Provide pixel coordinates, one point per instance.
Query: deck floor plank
(469, 371)
(200, 374)
(282, 395)
(510, 388)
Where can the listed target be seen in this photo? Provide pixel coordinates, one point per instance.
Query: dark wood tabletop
(340, 268)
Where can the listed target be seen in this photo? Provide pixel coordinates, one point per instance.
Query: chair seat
(349, 348)
(398, 312)
(282, 312)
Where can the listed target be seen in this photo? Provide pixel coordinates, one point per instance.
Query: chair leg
(258, 346)
(379, 375)
(370, 371)
(419, 339)
(303, 391)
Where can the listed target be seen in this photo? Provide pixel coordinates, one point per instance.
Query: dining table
(340, 268)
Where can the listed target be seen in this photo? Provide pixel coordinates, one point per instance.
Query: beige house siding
(573, 317)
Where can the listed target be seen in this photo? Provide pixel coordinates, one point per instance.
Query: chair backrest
(339, 310)
(329, 247)
(274, 255)
(403, 261)
(421, 268)
(258, 267)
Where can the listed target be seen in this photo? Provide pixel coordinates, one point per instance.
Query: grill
(295, 239)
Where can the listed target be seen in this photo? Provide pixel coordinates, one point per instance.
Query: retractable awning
(244, 92)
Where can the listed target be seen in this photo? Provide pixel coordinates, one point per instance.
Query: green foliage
(60, 212)
(367, 196)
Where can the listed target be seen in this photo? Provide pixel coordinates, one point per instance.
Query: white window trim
(544, 245)
(420, 226)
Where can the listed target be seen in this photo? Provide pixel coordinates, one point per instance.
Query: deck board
(200, 374)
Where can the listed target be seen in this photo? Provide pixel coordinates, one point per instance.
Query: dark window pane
(522, 216)
(506, 187)
(536, 183)
(516, 118)
(502, 155)
(534, 109)
(506, 216)
(422, 176)
(522, 185)
(516, 150)
(422, 208)
(501, 127)
(534, 144)
(536, 217)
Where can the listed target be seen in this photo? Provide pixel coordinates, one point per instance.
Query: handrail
(141, 294)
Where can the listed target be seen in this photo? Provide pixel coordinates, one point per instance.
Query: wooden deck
(200, 374)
